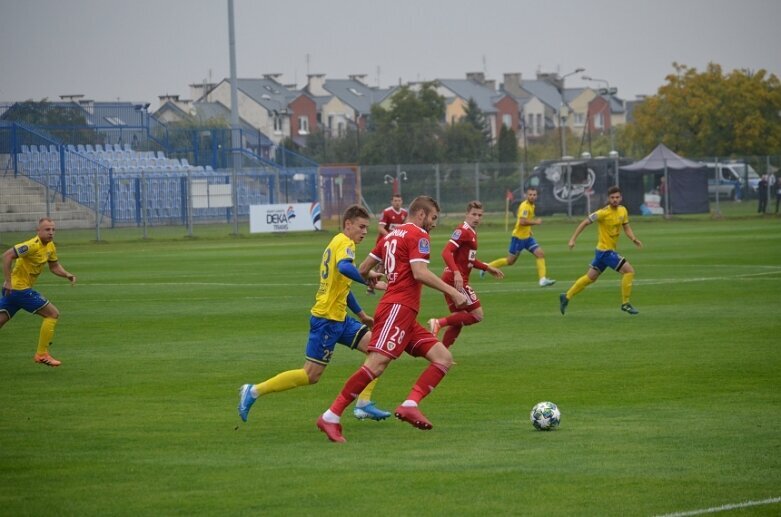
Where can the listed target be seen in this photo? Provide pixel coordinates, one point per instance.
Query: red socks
(352, 388)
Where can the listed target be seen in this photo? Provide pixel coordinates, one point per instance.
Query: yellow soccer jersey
(331, 297)
(31, 255)
(526, 210)
(609, 222)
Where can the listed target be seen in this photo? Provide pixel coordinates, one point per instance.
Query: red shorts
(396, 330)
(471, 304)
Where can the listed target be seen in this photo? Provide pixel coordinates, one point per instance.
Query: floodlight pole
(610, 91)
(564, 109)
(235, 134)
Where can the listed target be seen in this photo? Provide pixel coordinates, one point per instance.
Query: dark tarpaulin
(687, 181)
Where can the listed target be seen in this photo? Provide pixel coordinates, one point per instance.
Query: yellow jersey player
(28, 259)
(610, 220)
(329, 323)
(522, 239)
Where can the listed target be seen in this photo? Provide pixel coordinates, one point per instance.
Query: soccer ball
(545, 416)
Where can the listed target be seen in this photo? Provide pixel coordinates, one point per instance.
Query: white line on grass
(483, 288)
(724, 508)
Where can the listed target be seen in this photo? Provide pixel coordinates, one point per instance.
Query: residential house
(498, 107)
(261, 102)
(345, 103)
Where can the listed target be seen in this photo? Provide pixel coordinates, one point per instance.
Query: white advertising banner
(294, 217)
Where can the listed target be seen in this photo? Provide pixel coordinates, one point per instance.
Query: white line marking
(724, 508)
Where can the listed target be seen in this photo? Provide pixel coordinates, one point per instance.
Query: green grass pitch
(675, 409)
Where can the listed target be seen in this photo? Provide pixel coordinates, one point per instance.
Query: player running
(460, 256)
(18, 293)
(329, 323)
(522, 239)
(609, 220)
(405, 254)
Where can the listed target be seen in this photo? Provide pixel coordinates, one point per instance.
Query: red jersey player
(460, 256)
(392, 217)
(405, 254)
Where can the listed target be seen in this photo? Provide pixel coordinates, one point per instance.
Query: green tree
(711, 113)
(462, 143)
(68, 123)
(409, 131)
(475, 117)
(507, 146)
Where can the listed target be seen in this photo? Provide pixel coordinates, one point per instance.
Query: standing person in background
(610, 220)
(522, 239)
(405, 254)
(329, 323)
(762, 193)
(460, 256)
(778, 192)
(391, 217)
(18, 281)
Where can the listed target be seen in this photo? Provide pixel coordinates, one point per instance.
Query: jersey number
(390, 257)
(326, 260)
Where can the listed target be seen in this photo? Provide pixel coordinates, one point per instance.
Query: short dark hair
(396, 196)
(531, 187)
(615, 189)
(426, 203)
(354, 212)
(474, 204)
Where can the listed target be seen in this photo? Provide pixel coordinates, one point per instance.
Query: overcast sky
(136, 50)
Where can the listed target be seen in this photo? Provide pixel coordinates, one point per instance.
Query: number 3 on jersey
(326, 260)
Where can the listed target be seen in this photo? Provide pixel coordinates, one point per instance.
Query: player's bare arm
(57, 269)
(585, 222)
(423, 275)
(494, 272)
(629, 233)
(8, 260)
(366, 267)
(458, 280)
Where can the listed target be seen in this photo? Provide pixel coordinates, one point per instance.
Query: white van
(731, 182)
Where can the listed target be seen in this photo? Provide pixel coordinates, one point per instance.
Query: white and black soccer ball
(545, 416)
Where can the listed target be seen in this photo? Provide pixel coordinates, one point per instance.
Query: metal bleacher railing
(129, 185)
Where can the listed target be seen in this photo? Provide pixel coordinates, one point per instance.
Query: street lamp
(562, 111)
(609, 92)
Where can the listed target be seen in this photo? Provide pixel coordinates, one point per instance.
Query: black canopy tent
(687, 182)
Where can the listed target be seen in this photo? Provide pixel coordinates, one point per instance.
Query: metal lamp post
(564, 109)
(609, 92)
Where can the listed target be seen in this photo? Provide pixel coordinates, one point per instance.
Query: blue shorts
(324, 334)
(607, 258)
(27, 299)
(518, 245)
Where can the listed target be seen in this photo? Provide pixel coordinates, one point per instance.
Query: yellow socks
(580, 284)
(46, 336)
(366, 394)
(541, 268)
(626, 286)
(498, 262)
(282, 382)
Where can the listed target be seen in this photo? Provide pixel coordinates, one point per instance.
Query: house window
(303, 125)
(599, 121)
(277, 124)
(530, 124)
(538, 128)
(580, 119)
(507, 120)
(340, 128)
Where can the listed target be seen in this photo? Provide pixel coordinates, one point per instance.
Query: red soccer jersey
(390, 219)
(463, 245)
(406, 244)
